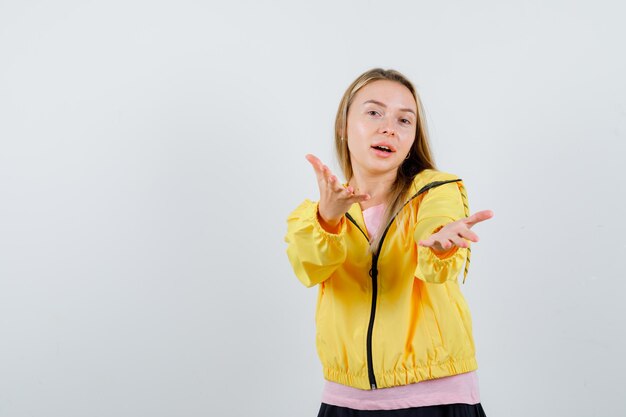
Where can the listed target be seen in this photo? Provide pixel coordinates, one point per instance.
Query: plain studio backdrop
(151, 151)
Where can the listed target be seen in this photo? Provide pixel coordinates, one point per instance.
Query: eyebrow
(383, 105)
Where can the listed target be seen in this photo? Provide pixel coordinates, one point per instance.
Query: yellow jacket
(396, 318)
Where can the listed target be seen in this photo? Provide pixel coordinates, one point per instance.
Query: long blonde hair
(420, 156)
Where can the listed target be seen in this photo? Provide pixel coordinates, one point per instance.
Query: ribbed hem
(399, 377)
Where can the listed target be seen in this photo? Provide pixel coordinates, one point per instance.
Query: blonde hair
(420, 156)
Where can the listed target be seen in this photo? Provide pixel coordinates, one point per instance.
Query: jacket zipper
(373, 273)
(370, 328)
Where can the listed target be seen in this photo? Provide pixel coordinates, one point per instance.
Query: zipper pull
(373, 386)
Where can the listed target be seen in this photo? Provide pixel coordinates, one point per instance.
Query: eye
(406, 121)
(372, 111)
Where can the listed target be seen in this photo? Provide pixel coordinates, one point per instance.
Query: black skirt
(444, 410)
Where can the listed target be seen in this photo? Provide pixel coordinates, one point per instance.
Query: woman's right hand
(335, 198)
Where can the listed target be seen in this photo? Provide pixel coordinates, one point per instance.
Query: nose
(386, 127)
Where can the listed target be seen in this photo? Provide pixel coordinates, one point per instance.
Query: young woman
(394, 332)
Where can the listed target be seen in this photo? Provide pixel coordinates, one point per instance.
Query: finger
(446, 243)
(333, 182)
(358, 198)
(428, 242)
(478, 217)
(469, 235)
(317, 166)
(326, 172)
(459, 241)
(347, 192)
(336, 185)
(327, 177)
(333, 179)
(314, 160)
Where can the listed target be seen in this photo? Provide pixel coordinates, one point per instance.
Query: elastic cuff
(324, 232)
(431, 268)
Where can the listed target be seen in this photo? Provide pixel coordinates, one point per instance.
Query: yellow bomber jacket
(398, 317)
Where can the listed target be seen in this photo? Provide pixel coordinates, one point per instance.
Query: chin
(383, 168)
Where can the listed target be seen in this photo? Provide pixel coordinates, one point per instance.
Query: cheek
(408, 139)
(354, 146)
(353, 129)
(361, 127)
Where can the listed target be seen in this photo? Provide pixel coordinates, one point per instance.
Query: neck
(377, 186)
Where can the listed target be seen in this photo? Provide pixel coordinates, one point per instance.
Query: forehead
(390, 93)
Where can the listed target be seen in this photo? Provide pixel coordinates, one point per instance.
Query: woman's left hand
(456, 232)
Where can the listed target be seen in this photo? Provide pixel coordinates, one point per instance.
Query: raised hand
(456, 232)
(335, 198)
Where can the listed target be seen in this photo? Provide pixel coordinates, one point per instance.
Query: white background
(151, 151)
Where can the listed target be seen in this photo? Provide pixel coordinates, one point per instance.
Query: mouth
(384, 148)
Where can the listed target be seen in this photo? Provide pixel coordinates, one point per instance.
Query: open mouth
(383, 148)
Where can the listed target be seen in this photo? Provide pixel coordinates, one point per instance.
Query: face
(381, 127)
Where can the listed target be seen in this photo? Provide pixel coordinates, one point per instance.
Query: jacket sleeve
(441, 205)
(313, 252)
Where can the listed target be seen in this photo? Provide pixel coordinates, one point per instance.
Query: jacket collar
(418, 182)
(422, 182)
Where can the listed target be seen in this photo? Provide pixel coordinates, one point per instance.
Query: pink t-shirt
(460, 388)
